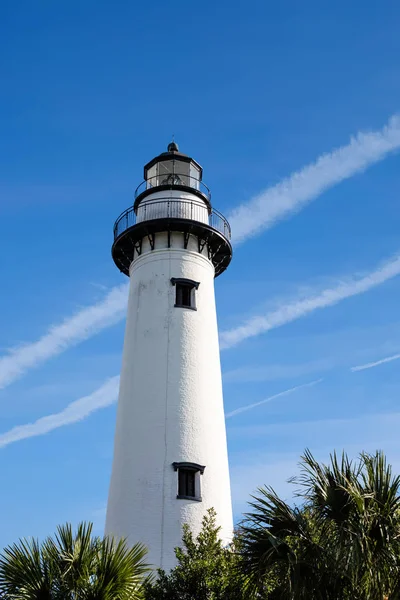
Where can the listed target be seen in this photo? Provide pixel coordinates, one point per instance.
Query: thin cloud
(76, 411)
(71, 331)
(104, 396)
(302, 187)
(248, 219)
(299, 308)
(270, 398)
(371, 365)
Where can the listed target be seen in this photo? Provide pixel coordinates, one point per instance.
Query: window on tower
(185, 292)
(187, 483)
(184, 295)
(188, 480)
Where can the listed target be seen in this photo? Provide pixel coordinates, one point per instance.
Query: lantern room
(172, 168)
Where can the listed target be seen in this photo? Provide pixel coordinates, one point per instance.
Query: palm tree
(342, 541)
(72, 566)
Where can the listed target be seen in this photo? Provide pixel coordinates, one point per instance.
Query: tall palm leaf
(74, 555)
(27, 572)
(118, 573)
(278, 541)
(344, 539)
(72, 566)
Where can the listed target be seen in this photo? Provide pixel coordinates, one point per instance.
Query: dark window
(189, 480)
(185, 293)
(187, 483)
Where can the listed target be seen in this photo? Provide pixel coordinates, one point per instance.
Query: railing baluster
(170, 208)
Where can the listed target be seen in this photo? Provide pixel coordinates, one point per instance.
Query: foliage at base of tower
(206, 570)
(342, 542)
(72, 566)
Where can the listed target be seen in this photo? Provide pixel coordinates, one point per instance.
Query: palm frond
(26, 572)
(73, 566)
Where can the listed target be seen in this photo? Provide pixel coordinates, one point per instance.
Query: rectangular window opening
(184, 295)
(185, 292)
(189, 486)
(187, 483)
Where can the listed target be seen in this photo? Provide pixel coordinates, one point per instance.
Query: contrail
(71, 331)
(371, 365)
(76, 411)
(104, 396)
(248, 219)
(285, 393)
(304, 186)
(299, 308)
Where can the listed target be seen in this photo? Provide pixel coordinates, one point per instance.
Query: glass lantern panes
(173, 172)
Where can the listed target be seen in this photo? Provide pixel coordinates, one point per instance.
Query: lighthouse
(170, 460)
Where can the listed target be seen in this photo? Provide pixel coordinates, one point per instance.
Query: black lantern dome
(172, 199)
(173, 169)
(172, 147)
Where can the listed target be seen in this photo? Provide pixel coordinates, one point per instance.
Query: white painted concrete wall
(170, 405)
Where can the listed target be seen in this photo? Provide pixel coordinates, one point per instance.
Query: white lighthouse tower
(170, 454)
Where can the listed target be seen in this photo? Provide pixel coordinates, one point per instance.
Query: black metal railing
(167, 208)
(173, 180)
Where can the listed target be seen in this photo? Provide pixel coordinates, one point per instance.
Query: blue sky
(256, 92)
